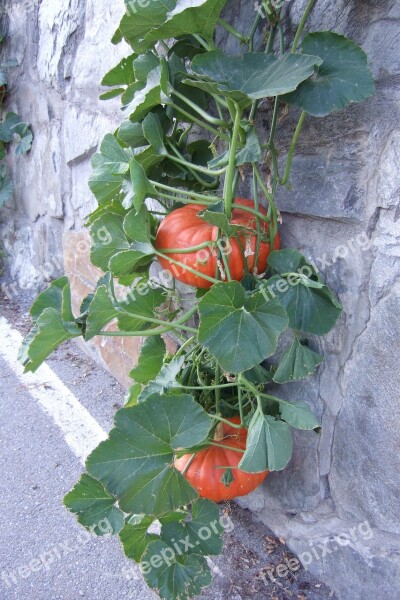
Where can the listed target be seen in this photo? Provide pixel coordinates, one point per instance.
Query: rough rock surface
(343, 213)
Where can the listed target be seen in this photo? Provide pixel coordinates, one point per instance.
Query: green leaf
(258, 375)
(252, 152)
(101, 311)
(141, 186)
(215, 216)
(144, 64)
(165, 380)
(112, 94)
(269, 445)
(129, 262)
(105, 185)
(109, 238)
(94, 507)
(22, 137)
(202, 534)
(131, 134)
(122, 74)
(174, 577)
(309, 303)
(150, 360)
(298, 362)
(309, 309)
(154, 133)
(253, 75)
(147, 23)
(135, 463)
(298, 415)
(6, 190)
(239, 331)
(51, 297)
(141, 98)
(138, 305)
(135, 538)
(342, 78)
(137, 226)
(11, 119)
(49, 332)
(116, 157)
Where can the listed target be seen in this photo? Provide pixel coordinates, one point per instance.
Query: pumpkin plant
(202, 425)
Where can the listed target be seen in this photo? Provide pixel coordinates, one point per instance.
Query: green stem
(196, 195)
(271, 40)
(301, 25)
(230, 173)
(228, 27)
(167, 326)
(253, 211)
(259, 230)
(202, 42)
(222, 420)
(200, 111)
(227, 447)
(189, 249)
(271, 141)
(293, 148)
(217, 389)
(253, 32)
(220, 386)
(182, 161)
(186, 267)
(189, 462)
(192, 118)
(179, 199)
(185, 345)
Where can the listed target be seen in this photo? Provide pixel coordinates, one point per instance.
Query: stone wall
(343, 212)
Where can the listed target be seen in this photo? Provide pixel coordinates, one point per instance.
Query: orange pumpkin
(205, 476)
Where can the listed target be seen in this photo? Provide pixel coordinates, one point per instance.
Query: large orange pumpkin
(183, 228)
(205, 476)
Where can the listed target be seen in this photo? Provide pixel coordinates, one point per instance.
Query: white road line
(81, 431)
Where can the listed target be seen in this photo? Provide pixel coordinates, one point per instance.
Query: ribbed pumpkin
(204, 474)
(183, 228)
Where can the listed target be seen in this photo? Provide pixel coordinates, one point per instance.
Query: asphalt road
(46, 555)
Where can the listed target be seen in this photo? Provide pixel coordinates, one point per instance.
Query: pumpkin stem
(219, 432)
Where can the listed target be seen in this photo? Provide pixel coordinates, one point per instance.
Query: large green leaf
(135, 463)
(202, 534)
(269, 444)
(109, 238)
(310, 309)
(135, 538)
(239, 330)
(116, 158)
(137, 306)
(149, 22)
(150, 360)
(51, 297)
(94, 507)
(253, 75)
(342, 78)
(141, 98)
(297, 362)
(48, 333)
(310, 305)
(101, 311)
(122, 74)
(174, 577)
